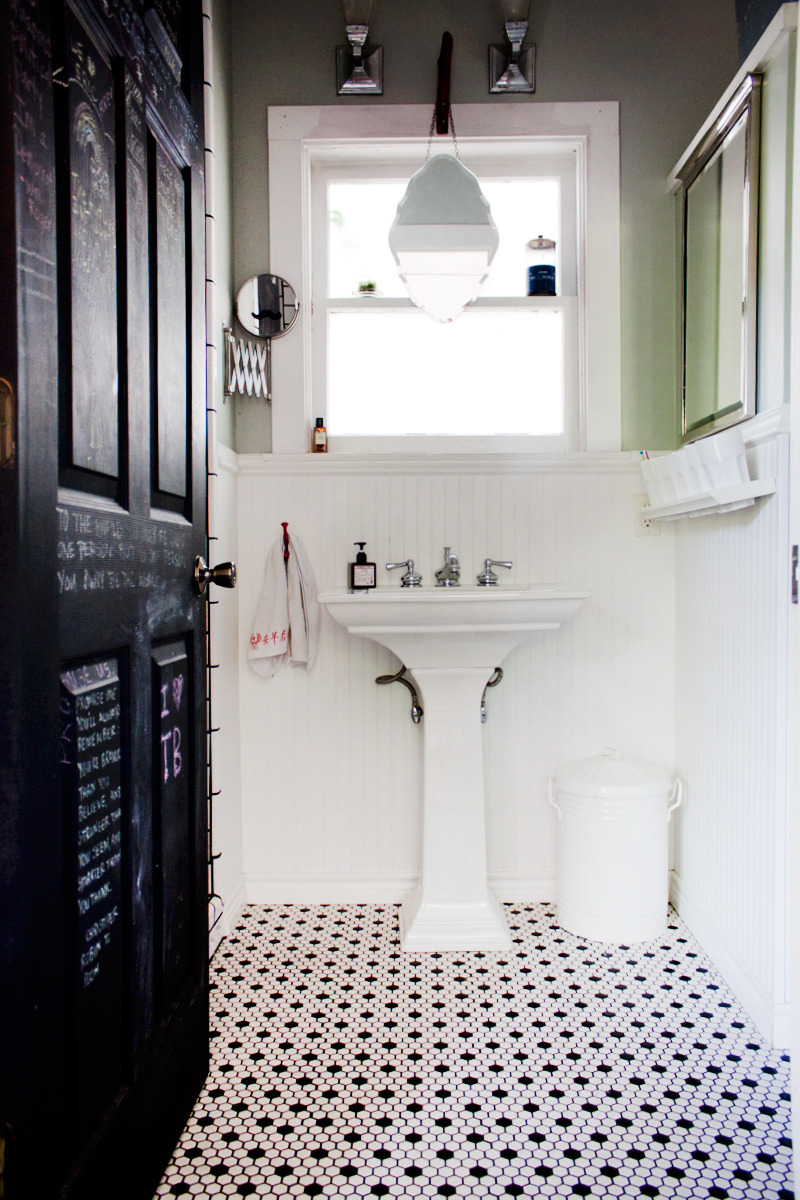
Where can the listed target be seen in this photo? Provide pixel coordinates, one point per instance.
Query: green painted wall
(665, 63)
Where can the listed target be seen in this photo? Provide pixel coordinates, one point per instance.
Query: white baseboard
(218, 927)
(530, 889)
(328, 889)
(380, 889)
(231, 911)
(782, 1027)
(770, 1018)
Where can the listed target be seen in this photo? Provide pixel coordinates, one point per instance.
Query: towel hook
(285, 525)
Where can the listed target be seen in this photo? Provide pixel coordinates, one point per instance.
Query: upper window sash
(300, 136)
(528, 161)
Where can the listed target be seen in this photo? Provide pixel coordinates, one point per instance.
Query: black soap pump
(363, 575)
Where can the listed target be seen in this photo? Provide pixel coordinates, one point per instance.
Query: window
(512, 373)
(467, 377)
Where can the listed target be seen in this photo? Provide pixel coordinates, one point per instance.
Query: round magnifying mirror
(267, 306)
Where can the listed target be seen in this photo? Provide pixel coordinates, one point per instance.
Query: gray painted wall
(221, 200)
(666, 64)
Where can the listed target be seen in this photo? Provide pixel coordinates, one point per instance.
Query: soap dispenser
(362, 573)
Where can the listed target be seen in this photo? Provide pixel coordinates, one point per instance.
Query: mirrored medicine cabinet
(719, 189)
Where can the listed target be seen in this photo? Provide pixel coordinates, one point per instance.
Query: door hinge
(5, 1143)
(7, 417)
(794, 574)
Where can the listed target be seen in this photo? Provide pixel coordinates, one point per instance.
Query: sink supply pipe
(493, 682)
(399, 677)
(416, 707)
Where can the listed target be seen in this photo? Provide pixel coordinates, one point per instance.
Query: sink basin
(452, 639)
(448, 627)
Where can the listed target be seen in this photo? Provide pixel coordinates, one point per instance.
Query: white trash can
(613, 847)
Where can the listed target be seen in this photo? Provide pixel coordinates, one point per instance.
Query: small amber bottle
(320, 440)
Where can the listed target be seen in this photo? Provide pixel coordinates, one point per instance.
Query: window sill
(403, 304)
(422, 446)
(519, 463)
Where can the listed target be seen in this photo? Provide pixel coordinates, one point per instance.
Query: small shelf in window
(369, 300)
(522, 301)
(717, 500)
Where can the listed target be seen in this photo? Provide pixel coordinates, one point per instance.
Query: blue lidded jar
(541, 260)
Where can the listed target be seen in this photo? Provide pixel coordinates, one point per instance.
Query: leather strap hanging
(443, 84)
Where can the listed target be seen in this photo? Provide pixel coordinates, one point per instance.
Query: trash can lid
(613, 773)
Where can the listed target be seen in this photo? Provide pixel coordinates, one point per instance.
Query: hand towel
(269, 640)
(303, 607)
(287, 619)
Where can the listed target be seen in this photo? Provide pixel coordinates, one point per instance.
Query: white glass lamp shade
(443, 238)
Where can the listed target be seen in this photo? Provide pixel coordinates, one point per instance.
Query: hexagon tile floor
(343, 1067)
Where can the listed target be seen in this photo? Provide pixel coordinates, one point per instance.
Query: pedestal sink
(452, 639)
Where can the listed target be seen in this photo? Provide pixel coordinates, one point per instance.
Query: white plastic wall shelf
(720, 500)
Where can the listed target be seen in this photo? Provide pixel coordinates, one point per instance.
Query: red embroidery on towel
(256, 639)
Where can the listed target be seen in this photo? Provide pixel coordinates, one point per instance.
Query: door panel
(92, 747)
(172, 791)
(168, 204)
(103, 889)
(135, 297)
(89, 314)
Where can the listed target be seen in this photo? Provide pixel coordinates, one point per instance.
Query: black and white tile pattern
(343, 1067)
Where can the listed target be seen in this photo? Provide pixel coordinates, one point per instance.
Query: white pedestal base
(452, 907)
(441, 926)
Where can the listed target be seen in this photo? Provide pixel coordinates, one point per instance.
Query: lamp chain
(452, 131)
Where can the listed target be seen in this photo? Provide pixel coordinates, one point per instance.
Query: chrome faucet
(449, 575)
(487, 577)
(410, 579)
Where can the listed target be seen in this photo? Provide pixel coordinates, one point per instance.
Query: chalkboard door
(103, 838)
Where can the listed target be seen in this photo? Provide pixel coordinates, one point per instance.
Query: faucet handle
(409, 579)
(487, 578)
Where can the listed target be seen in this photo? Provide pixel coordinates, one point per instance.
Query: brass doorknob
(224, 574)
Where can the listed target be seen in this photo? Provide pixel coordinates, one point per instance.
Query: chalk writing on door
(171, 738)
(91, 756)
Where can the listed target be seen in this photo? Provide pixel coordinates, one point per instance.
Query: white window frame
(296, 134)
(521, 158)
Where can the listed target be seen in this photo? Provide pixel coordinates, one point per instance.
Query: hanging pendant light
(443, 238)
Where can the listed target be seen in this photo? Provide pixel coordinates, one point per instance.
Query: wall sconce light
(511, 66)
(358, 73)
(443, 238)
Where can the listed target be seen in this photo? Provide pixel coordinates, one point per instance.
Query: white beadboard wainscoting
(331, 762)
(730, 845)
(226, 840)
